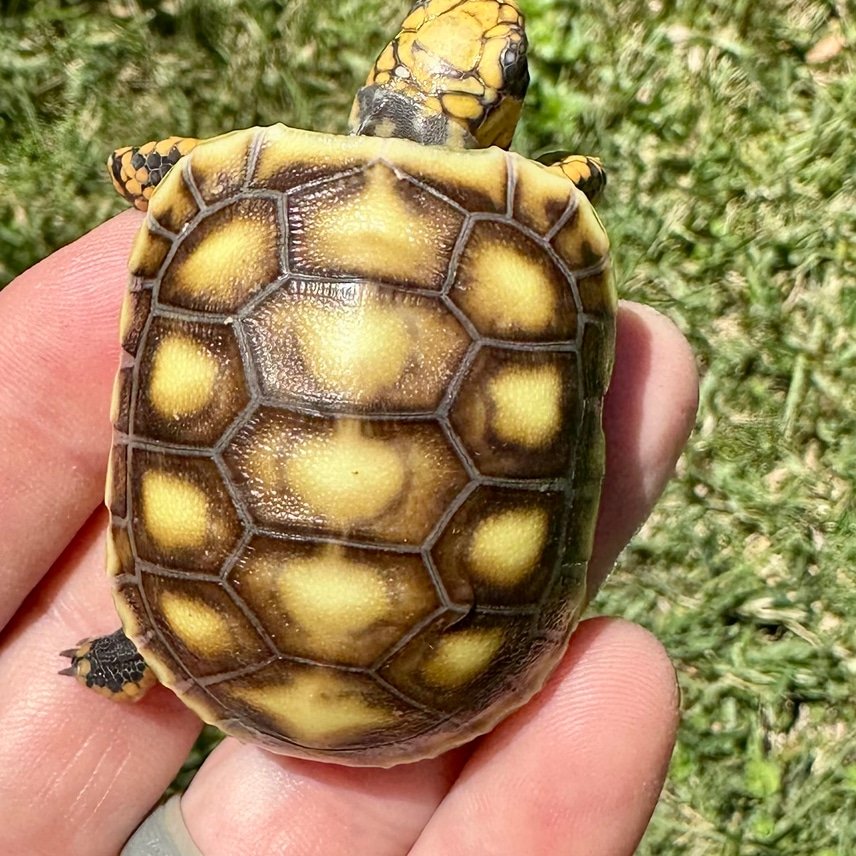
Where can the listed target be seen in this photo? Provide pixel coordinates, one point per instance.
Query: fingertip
(648, 415)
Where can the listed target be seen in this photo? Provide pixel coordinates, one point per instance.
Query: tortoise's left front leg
(110, 665)
(137, 170)
(585, 171)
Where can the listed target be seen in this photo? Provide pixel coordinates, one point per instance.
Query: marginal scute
(120, 400)
(136, 308)
(115, 494)
(540, 197)
(598, 346)
(147, 253)
(598, 294)
(227, 259)
(174, 206)
(330, 603)
(374, 224)
(477, 181)
(510, 288)
(582, 242)
(564, 600)
(355, 345)
(120, 556)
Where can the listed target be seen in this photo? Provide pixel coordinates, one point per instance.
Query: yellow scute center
(231, 262)
(345, 476)
(183, 377)
(507, 546)
(513, 291)
(333, 598)
(377, 234)
(175, 511)
(317, 707)
(460, 657)
(202, 628)
(528, 405)
(355, 350)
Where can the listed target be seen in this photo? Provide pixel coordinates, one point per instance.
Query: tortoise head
(455, 75)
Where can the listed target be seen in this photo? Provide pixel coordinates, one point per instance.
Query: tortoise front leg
(137, 170)
(586, 172)
(110, 665)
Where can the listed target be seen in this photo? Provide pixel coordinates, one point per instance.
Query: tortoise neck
(381, 112)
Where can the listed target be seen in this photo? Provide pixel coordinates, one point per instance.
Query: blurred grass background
(729, 129)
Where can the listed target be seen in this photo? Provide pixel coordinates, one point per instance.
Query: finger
(77, 770)
(58, 354)
(247, 802)
(578, 770)
(648, 415)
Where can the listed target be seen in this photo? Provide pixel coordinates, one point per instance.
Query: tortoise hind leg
(112, 666)
(137, 170)
(586, 172)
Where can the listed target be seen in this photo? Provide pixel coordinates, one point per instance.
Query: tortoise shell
(358, 447)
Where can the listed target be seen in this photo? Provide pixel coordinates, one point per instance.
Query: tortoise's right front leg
(137, 170)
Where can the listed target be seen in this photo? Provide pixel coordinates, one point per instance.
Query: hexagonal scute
(518, 412)
(333, 604)
(376, 480)
(191, 382)
(183, 516)
(201, 623)
(319, 707)
(228, 258)
(372, 224)
(355, 346)
(463, 667)
(505, 543)
(510, 288)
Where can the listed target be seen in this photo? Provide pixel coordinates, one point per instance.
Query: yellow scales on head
(358, 450)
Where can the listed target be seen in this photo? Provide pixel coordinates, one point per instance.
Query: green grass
(730, 133)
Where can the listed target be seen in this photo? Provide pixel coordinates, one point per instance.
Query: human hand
(578, 770)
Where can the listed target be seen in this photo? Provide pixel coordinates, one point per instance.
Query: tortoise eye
(515, 69)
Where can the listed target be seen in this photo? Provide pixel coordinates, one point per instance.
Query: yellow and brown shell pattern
(358, 446)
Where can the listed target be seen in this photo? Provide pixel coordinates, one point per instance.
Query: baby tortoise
(358, 448)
